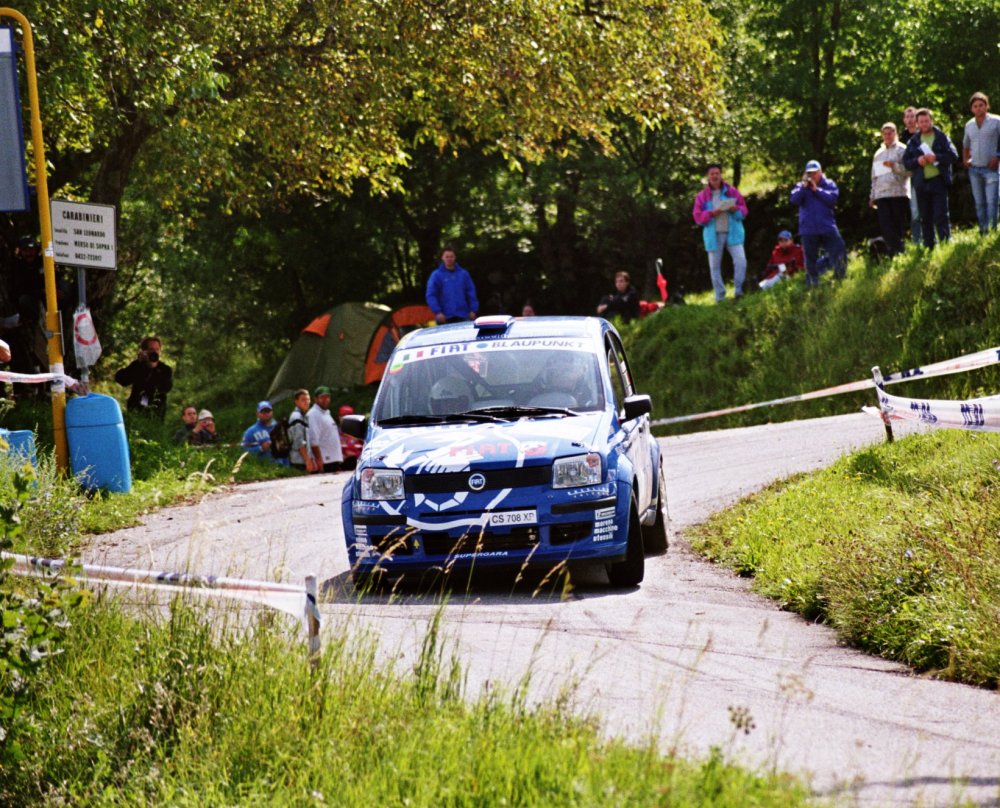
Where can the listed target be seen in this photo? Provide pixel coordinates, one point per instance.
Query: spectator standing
(890, 194)
(981, 156)
(324, 437)
(151, 379)
(786, 259)
(720, 209)
(624, 302)
(189, 417)
(910, 129)
(930, 155)
(298, 433)
(528, 309)
(257, 436)
(451, 294)
(816, 197)
(204, 433)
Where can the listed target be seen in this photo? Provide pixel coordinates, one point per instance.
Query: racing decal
(604, 525)
(406, 357)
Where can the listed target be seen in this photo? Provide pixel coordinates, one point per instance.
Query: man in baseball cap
(816, 197)
(324, 437)
(257, 436)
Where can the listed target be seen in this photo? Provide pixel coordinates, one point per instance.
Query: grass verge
(895, 547)
(147, 711)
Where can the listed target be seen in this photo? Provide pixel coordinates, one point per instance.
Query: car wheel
(655, 537)
(631, 570)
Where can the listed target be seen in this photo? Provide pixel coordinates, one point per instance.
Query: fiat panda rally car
(506, 442)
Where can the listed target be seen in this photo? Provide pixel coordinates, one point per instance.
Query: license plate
(507, 518)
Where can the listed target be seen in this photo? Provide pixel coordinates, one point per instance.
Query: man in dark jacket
(150, 378)
(930, 154)
(623, 303)
(816, 197)
(451, 294)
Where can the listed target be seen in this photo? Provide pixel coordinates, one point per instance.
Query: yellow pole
(52, 324)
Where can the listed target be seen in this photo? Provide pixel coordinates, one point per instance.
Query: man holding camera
(150, 378)
(816, 197)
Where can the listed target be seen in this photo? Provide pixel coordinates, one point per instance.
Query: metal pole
(879, 388)
(52, 326)
(312, 621)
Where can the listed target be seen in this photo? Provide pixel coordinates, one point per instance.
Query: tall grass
(895, 546)
(145, 711)
(918, 308)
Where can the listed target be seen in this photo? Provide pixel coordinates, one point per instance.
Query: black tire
(630, 571)
(655, 537)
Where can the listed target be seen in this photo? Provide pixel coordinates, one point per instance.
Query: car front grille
(519, 538)
(496, 479)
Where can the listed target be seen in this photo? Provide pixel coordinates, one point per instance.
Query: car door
(637, 432)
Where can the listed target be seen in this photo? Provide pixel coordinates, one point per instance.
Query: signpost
(45, 222)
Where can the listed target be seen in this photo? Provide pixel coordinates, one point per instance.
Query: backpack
(281, 442)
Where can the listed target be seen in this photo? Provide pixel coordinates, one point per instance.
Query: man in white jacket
(324, 437)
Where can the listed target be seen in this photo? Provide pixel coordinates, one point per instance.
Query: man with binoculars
(150, 378)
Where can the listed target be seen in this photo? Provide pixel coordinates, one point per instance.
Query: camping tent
(347, 346)
(389, 332)
(330, 350)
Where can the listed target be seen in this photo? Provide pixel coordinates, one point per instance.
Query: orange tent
(389, 332)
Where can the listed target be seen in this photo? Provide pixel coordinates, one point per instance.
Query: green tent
(331, 350)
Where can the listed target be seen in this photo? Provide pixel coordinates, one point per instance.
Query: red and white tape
(972, 361)
(297, 601)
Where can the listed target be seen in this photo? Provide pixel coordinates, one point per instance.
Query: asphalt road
(691, 656)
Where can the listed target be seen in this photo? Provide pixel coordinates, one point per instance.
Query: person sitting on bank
(257, 437)
(204, 433)
(786, 259)
(623, 303)
(189, 419)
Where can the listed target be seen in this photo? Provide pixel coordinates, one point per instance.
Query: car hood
(456, 447)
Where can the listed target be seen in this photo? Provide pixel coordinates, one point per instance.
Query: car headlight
(382, 484)
(570, 472)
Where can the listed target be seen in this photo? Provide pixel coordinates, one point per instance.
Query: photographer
(150, 378)
(816, 197)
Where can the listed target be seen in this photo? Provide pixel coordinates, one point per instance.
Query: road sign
(13, 178)
(83, 234)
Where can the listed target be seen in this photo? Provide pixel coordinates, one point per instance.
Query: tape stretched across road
(289, 598)
(960, 364)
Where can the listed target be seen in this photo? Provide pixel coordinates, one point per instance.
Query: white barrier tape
(36, 378)
(284, 597)
(972, 361)
(977, 414)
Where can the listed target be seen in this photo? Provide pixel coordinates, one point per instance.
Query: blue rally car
(506, 442)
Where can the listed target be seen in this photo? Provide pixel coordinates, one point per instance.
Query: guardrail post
(880, 387)
(312, 621)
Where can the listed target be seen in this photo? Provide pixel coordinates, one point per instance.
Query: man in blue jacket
(930, 154)
(816, 197)
(451, 294)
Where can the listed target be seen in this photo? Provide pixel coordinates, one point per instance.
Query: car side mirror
(637, 405)
(355, 425)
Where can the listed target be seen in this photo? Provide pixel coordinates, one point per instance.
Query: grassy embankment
(898, 546)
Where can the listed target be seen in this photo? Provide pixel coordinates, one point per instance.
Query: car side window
(617, 384)
(623, 367)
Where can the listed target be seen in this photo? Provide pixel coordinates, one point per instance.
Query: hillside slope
(919, 308)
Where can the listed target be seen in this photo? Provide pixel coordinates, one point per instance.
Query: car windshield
(533, 381)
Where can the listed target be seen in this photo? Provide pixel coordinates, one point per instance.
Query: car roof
(517, 328)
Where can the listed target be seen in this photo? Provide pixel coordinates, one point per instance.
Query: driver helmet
(566, 370)
(450, 395)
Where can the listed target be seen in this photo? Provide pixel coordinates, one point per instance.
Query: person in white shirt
(981, 156)
(890, 194)
(324, 437)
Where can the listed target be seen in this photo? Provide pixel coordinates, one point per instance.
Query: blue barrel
(98, 447)
(22, 442)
